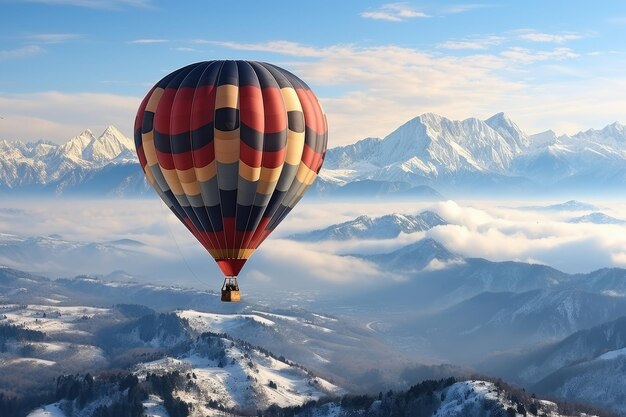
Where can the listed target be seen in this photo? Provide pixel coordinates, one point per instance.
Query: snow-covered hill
(366, 227)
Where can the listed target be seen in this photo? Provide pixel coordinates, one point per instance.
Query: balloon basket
(230, 290)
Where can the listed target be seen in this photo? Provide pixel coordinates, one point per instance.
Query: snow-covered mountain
(472, 156)
(588, 364)
(423, 254)
(450, 154)
(49, 167)
(65, 256)
(597, 218)
(571, 205)
(366, 227)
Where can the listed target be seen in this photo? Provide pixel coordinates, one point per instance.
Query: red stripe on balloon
(203, 107)
(181, 109)
(274, 159)
(231, 267)
(166, 161)
(320, 126)
(249, 155)
(183, 160)
(251, 109)
(142, 157)
(163, 111)
(204, 156)
(274, 108)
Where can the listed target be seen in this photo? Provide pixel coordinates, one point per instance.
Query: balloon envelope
(230, 147)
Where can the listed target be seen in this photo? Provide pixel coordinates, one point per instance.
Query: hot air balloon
(230, 147)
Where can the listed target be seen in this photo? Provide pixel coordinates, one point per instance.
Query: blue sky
(67, 65)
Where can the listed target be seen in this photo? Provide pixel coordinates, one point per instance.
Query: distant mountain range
(484, 155)
(427, 154)
(366, 227)
(104, 165)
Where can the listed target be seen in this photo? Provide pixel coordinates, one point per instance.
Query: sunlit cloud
(473, 43)
(550, 37)
(529, 56)
(406, 82)
(393, 12)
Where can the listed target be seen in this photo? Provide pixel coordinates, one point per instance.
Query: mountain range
(366, 227)
(425, 156)
(488, 155)
(104, 165)
(61, 357)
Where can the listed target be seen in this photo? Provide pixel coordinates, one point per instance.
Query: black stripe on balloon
(203, 218)
(210, 74)
(251, 137)
(147, 123)
(279, 217)
(247, 76)
(229, 74)
(243, 214)
(137, 137)
(226, 119)
(274, 203)
(177, 208)
(295, 120)
(311, 138)
(215, 215)
(276, 141)
(320, 143)
(180, 142)
(193, 77)
(266, 79)
(162, 142)
(192, 216)
(277, 74)
(228, 200)
(255, 218)
(174, 79)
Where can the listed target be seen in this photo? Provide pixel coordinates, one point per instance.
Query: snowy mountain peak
(514, 136)
(108, 146)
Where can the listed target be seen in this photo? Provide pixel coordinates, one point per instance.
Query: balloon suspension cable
(193, 274)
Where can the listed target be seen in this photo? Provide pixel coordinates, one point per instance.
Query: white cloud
(394, 12)
(278, 47)
(148, 41)
(550, 37)
(473, 43)
(529, 56)
(59, 116)
(20, 52)
(53, 37)
(462, 8)
(384, 86)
